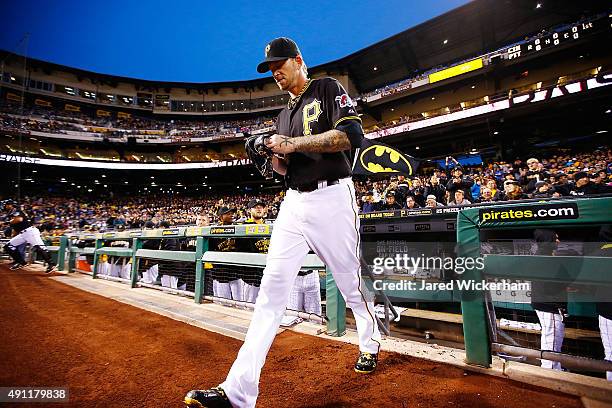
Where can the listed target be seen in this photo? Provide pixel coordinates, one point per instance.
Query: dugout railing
(198, 263)
(480, 229)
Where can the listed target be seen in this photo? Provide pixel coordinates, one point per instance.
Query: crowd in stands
(56, 121)
(560, 175)
(56, 215)
(554, 176)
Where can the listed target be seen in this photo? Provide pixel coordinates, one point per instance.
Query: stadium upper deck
(74, 105)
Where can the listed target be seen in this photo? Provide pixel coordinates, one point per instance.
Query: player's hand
(280, 144)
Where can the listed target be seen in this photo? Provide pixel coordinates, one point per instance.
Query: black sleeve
(341, 113)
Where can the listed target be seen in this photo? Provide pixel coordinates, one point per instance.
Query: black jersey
(20, 225)
(257, 245)
(323, 106)
(228, 244)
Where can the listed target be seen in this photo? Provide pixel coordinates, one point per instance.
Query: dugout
(573, 263)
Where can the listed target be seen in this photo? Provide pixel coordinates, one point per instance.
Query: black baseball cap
(278, 49)
(255, 202)
(580, 175)
(225, 210)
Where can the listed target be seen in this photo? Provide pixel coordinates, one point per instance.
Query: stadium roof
(475, 28)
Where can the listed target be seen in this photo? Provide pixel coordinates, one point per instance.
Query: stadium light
(539, 5)
(609, 110)
(473, 86)
(445, 42)
(375, 68)
(496, 133)
(602, 131)
(433, 98)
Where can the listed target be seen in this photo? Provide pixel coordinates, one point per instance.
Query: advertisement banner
(456, 70)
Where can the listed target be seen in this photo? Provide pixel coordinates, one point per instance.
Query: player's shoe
(17, 265)
(366, 363)
(212, 398)
(50, 268)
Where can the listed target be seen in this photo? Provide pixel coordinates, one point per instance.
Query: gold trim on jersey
(346, 118)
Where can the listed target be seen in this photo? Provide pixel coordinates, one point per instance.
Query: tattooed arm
(328, 142)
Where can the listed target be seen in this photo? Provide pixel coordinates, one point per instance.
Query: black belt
(304, 273)
(315, 185)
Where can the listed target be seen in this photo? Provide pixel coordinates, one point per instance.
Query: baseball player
(252, 278)
(604, 306)
(549, 301)
(151, 273)
(225, 283)
(25, 233)
(171, 276)
(316, 130)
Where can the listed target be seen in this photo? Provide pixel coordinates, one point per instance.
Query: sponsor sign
(520, 213)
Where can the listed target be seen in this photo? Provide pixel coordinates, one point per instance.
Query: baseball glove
(259, 154)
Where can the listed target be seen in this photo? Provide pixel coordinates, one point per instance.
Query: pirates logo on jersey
(310, 114)
(378, 158)
(344, 100)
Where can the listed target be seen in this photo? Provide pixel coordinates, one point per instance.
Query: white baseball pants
(150, 275)
(168, 281)
(325, 220)
(306, 294)
(30, 235)
(551, 339)
(605, 331)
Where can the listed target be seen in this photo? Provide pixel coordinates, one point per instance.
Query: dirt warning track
(111, 354)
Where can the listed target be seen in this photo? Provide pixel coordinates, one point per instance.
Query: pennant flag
(375, 158)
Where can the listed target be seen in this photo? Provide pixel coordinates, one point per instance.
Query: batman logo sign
(384, 159)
